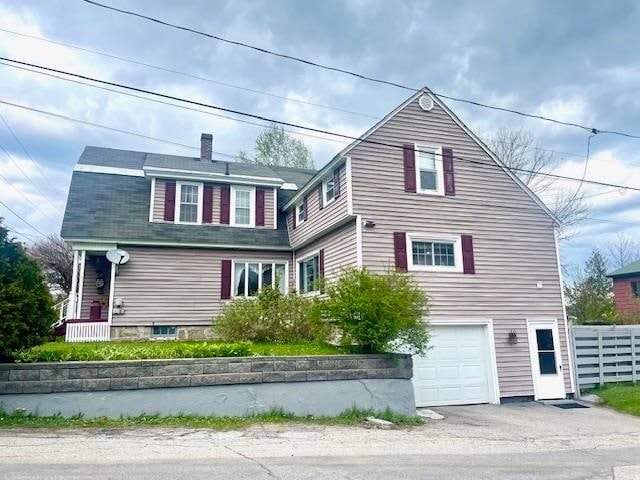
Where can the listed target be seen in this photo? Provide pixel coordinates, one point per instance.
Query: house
(626, 289)
(419, 192)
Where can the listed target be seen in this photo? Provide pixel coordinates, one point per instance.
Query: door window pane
(547, 361)
(253, 280)
(545, 339)
(238, 279)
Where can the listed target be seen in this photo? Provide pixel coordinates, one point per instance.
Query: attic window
(189, 204)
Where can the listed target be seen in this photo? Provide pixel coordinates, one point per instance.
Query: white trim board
(130, 172)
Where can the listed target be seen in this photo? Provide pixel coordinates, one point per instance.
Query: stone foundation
(144, 333)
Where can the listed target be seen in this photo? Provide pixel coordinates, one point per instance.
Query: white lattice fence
(606, 354)
(87, 332)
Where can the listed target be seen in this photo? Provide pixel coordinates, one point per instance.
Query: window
(163, 331)
(437, 253)
(300, 213)
(243, 206)
(328, 191)
(189, 204)
(546, 351)
(635, 289)
(309, 274)
(250, 277)
(429, 170)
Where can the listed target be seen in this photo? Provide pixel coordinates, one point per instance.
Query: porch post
(112, 288)
(71, 308)
(83, 260)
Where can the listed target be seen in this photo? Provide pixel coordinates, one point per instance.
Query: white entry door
(456, 369)
(546, 359)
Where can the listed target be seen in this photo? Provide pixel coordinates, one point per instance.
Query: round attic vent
(426, 103)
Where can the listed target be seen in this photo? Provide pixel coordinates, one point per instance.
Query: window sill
(187, 223)
(425, 268)
(430, 192)
(328, 202)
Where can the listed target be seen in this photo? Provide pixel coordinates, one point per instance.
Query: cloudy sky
(573, 61)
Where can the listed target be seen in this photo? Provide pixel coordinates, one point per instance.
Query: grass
(351, 417)
(624, 397)
(60, 352)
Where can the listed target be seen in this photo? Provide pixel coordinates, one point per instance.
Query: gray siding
(340, 251)
(158, 205)
(319, 220)
(172, 286)
(513, 238)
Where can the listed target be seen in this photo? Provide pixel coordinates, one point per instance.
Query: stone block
(261, 366)
(54, 373)
(143, 371)
(67, 385)
(316, 375)
(152, 382)
(40, 386)
(273, 377)
(10, 387)
(23, 375)
(4, 375)
(284, 365)
(171, 370)
(234, 378)
(201, 380)
(239, 367)
(83, 372)
(123, 383)
(178, 381)
(112, 372)
(345, 374)
(218, 367)
(306, 365)
(96, 384)
(295, 376)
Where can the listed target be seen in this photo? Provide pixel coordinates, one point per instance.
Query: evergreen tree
(26, 312)
(590, 298)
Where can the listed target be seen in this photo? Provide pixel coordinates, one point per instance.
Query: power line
(313, 129)
(190, 75)
(351, 73)
(21, 193)
(17, 215)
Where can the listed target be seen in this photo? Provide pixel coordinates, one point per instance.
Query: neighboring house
(422, 193)
(626, 289)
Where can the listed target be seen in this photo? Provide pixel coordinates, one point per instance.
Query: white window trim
(426, 237)
(177, 202)
(297, 210)
(275, 208)
(439, 170)
(152, 198)
(246, 277)
(314, 253)
(327, 201)
(252, 206)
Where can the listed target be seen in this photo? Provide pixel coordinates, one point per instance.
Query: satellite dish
(118, 256)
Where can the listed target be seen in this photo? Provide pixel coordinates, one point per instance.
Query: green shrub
(26, 312)
(62, 352)
(272, 317)
(376, 311)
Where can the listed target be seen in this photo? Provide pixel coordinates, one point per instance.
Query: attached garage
(459, 367)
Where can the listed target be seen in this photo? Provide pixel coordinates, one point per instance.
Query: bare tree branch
(55, 257)
(622, 250)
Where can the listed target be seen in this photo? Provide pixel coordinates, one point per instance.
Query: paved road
(527, 441)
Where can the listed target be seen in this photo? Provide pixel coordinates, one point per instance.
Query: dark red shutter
(294, 214)
(207, 203)
(336, 183)
(225, 280)
(170, 201)
(400, 250)
(447, 166)
(468, 264)
(259, 207)
(321, 262)
(225, 203)
(305, 203)
(409, 158)
(320, 196)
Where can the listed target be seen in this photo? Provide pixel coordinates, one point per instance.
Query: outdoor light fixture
(513, 337)
(369, 223)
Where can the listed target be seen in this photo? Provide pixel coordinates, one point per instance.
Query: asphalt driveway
(521, 441)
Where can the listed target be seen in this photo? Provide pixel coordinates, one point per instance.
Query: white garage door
(456, 369)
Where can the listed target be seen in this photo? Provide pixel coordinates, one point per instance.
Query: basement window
(163, 331)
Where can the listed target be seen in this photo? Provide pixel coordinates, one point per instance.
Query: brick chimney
(206, 146)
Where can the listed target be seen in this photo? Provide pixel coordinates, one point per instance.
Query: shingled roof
(632, 269)
(109, 207)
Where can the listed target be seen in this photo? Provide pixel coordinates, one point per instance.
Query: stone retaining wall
(32, 378)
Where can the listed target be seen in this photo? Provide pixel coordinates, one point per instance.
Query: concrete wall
(312, 385)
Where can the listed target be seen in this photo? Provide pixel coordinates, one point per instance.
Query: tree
(376, 311)
(26, 312)
(590, 298)
(55, 257)
(622, 250)
(274, 146)
(518, 150)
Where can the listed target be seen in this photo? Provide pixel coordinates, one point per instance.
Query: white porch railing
(62, 309)
(87, 331)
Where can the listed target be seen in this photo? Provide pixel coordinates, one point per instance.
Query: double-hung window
(189, 204)
(635, 289)
(309, 274)
(435, 253)
(250, 277)
(300, 213)
(328, 191)
(430, 178)
(243, 206)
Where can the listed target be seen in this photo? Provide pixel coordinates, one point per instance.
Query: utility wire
(351, 73)
(289, 124)
(17, 215)
(22, 194)
(185, 74)
(586, 166)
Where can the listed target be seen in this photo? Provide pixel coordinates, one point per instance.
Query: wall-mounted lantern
(513, 337)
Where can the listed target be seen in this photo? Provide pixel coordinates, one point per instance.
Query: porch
(85, 316)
